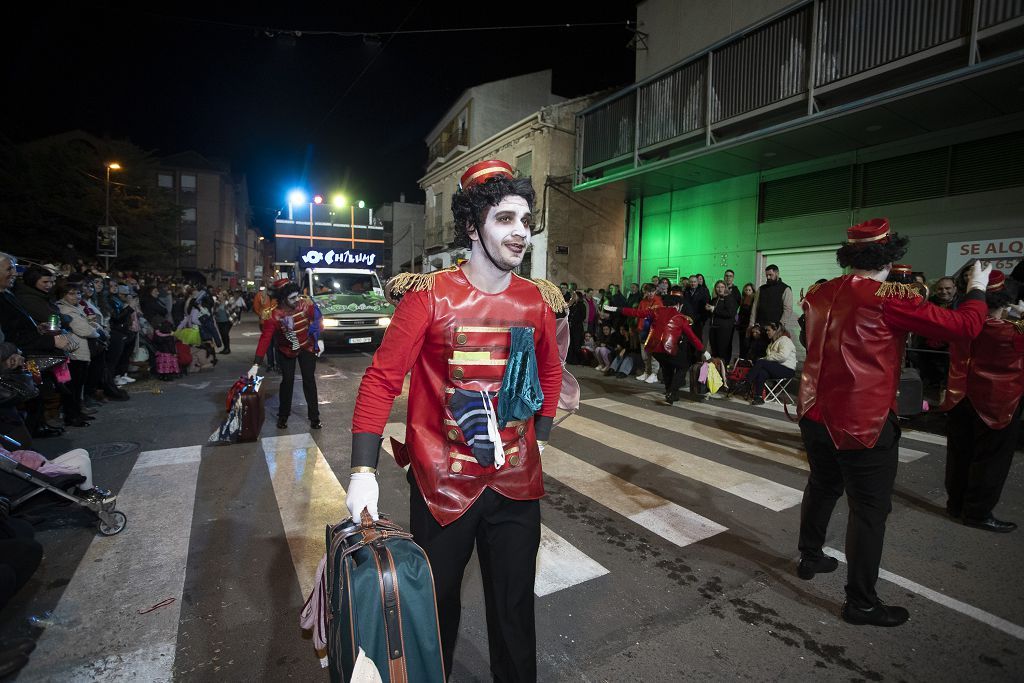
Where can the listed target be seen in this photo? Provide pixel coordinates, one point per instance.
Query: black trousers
(674, 368)
(868, 476)
(71, 397)
(225, 335)
(506, 534)
(765, 370)
(721, 342)
(978, 460)
(307, 366)
(20, 555)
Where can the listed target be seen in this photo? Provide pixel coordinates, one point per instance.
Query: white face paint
(293, 299)
(506, 231)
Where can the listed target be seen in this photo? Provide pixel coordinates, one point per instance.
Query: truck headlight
(383, 322)
(331, 322)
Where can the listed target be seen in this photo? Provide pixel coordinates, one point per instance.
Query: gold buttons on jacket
(513, 461)
(457, 373)
(453, 434)
(520, 430)
(456, 467)
(461, 339)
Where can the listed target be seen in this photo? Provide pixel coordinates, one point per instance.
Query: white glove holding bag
(363, 492)
(253, 371)
(707, 356)
(978, 278)
(320, 347)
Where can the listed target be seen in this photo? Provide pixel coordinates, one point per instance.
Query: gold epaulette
(814, 287)
(1019, 324)
(551, 294)
(268, 311)
(413, 282)
(689, 320)
(897, 290)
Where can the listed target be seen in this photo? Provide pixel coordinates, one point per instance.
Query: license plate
(360, 340)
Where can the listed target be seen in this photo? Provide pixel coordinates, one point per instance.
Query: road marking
(561, 565)
(119, 576)
(943, 599)
(905, 454)
(759, 490)
(664, 518)
(752, 445)
(309, 497)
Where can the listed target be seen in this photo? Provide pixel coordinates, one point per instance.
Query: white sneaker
(642, 378)
(652, 378)
(119, 381)
(127, 379)
(601, 368)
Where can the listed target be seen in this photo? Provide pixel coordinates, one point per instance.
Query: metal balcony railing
(790, 66)
(448, 141)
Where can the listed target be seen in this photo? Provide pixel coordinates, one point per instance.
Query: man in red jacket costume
(857, 326)
(983, 397)
(453, 329)
(293, 326)
(665, 343)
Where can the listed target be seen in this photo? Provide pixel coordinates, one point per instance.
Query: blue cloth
(520, 395)
(468, 410)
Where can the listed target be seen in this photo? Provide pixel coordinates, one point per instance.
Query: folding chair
(777, 391)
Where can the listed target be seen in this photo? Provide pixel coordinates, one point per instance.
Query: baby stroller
(110, 521)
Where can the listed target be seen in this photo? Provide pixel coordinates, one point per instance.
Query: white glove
(707, 356)
(363, 492)
(320, 347)
(610, 309)
(1017, 308)
(253, 371)
(978, 278)
(541, 445)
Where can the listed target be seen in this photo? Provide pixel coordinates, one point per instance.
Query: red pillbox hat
(874, 230)
(484, 170)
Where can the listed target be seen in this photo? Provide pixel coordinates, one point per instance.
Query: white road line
(561, 565)
(752, 445)
(763, 492)
(771, 424)
(98, 633)
(943, 599)
(309, 498)
(664, 518)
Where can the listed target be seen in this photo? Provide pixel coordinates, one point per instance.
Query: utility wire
(272, 31)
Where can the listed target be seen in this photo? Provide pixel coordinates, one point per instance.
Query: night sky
(326, 112)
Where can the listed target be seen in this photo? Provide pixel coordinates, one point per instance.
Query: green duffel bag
(381, 600)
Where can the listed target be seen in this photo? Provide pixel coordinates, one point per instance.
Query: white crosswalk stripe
(722, 409)
(309, 497)
(120, 576)
(662, 517)
(759, 490)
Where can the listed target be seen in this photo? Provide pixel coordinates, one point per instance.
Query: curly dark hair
(998, 299)
(285, 290)
(874, 255)
(470, 207)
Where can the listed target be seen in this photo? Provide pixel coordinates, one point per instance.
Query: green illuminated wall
(704, 229)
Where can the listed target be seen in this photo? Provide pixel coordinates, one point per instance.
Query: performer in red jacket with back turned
(857, 326)
(983, 397)
(475, 476)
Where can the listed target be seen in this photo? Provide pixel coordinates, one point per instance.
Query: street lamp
(111, 166)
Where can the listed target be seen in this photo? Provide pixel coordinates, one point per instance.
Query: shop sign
(347, 257)
(1003, 254)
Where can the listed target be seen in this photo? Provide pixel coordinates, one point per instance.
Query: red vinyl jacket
(989, 371)
(668, 327)
(451, 335)
(856, 332)
(303, 318)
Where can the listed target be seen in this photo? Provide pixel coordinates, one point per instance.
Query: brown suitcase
(253, 414)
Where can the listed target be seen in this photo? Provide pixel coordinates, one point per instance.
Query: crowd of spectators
(749, 325)
(71, 338)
